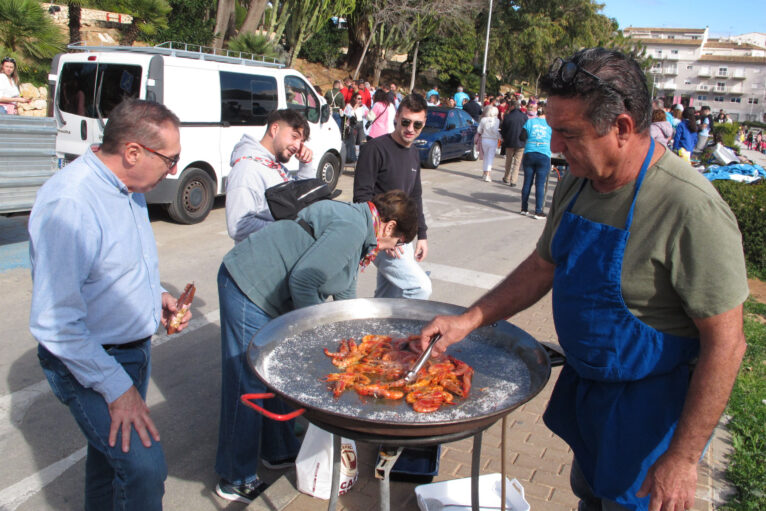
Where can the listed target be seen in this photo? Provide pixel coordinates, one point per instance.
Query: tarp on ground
(740, 172)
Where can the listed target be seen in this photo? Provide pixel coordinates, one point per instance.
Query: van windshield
(89, 89)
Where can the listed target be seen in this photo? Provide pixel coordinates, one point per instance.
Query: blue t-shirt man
(538, 136)
(459, 97)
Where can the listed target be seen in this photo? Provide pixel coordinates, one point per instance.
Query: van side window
(301, 96)
(247, 99)
(90, 89)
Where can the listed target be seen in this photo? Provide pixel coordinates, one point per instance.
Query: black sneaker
(279, 464)
(240, 493)
(539, 216)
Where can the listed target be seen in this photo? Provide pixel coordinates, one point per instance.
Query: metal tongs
(412, 374)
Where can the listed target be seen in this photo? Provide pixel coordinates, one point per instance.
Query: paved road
(476, 237)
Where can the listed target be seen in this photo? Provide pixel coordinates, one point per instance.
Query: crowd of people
(651, 352)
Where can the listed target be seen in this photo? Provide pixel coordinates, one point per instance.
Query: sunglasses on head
(9, 59)
(418, 125)
(568, 70)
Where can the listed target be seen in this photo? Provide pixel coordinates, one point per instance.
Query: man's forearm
(722, 346)
(527, 284)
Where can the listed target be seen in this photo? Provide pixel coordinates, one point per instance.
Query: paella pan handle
(246, 399)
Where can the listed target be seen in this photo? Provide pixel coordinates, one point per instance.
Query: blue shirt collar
(104, 172)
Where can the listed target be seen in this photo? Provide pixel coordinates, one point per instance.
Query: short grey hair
(136, 120)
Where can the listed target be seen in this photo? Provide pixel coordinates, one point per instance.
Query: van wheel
(329, 170)
(194, 199)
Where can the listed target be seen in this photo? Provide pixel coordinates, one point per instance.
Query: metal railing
(190, 51)
(27, 159)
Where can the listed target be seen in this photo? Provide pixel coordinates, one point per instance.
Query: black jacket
(512, 128)
(473, 109)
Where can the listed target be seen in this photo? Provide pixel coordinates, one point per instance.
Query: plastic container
(724, 155)
(416, 464)
(455, 495)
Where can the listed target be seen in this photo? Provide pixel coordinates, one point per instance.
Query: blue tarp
(741, 172)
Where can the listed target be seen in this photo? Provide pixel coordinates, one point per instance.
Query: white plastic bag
(314, 464)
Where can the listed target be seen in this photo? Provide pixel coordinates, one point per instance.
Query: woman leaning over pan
(275, 270)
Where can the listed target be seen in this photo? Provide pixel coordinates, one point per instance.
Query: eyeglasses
(171, 161)
(400, 243)
(418, 125)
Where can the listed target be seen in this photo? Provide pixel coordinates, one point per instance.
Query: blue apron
(619, 396)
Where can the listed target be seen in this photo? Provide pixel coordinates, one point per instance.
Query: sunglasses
(400, 243)
(418, 125)
(568, 71)
(9, 59)
(171, 161)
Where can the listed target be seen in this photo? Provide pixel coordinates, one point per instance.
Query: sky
(722, 17)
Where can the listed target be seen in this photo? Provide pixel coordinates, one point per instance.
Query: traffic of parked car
(448, 134)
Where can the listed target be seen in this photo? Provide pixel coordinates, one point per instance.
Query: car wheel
(329, 170)
(434, 156)
(194, 198)
(473, 154)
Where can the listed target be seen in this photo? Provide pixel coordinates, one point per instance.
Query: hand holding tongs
(412, 374)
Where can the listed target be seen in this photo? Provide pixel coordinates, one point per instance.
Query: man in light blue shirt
(459, 97)
(97, 300)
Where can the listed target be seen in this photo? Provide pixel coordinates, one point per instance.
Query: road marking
(15, 495)
(462, 276)
(14, 406)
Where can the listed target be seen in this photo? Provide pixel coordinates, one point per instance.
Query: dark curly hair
(396, 205)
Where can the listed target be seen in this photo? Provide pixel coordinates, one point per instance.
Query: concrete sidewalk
(538, 459)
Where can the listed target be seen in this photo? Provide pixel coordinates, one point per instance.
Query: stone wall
(38, 107)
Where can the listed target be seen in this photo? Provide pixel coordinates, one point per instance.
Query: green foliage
(190, 21)
(28, 35)
(325, 46)
(725, 133)
(529, 34)
(240, 13)
(256, 44)
(450, 53)
(754, 124)
(747, 466)
(149, 17)
(748, 203)
(307, 17)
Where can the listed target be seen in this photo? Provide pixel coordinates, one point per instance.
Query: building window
(687, 82)
(718, 99)
(736, 100)
(674, 52)
(752, 101)
(659, 52)
(701, 98)
(722, 71)
(689, 68)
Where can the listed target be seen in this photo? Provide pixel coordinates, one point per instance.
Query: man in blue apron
(646, 266)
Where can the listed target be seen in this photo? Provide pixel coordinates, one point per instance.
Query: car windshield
(436, 119)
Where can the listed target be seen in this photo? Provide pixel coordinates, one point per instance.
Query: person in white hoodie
(257, 166)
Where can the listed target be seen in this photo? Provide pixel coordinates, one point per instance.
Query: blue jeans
(401, 277)
(132, 480)
(536, 166)
(241, 428)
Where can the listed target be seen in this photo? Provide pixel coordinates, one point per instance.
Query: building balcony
(701, 87)
(720, 90)
(655, 70)
(739, 74)
(669, 85)
(722, 74)
(736, 89)
(671, 70)
(704, 71)
(673, 57)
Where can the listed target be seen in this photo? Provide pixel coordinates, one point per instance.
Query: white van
(217, 97)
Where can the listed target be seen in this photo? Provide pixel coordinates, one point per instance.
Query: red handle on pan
(271, 415)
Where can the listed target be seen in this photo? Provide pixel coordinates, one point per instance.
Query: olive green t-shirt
(684, 255)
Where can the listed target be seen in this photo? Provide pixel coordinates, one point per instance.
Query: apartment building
(694, 69)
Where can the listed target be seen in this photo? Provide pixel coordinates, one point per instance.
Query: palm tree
(148, 16)
(256, 44)
(28, 34)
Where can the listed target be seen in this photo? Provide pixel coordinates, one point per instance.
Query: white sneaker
(487, 179)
